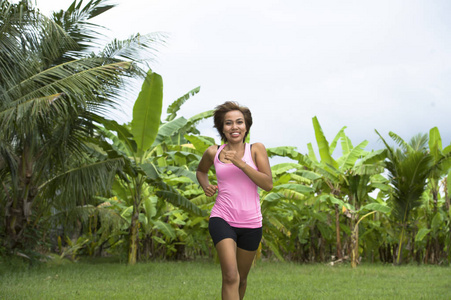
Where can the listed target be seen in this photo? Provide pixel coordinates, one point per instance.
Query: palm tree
(52, 88)
(409, 167)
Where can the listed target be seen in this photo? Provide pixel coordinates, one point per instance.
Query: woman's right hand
(202, 171)
(210, 190)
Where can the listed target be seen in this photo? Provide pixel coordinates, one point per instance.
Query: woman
(236, 221)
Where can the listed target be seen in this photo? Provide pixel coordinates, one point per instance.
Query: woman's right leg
(226, 249)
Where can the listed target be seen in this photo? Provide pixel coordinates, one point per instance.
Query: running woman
(235, 223)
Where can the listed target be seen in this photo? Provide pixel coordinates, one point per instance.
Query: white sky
(367, 65)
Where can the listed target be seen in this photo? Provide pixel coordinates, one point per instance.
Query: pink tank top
(238, 202)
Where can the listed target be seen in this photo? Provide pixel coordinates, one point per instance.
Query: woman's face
(234, 127)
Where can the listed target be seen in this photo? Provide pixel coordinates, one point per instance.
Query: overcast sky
(367, 65)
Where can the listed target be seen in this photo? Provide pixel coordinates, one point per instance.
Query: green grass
(101, 279)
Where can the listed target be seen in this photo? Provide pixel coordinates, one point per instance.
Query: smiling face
(219, 117)
(234, 127)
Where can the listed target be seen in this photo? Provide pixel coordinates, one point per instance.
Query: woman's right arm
(202, 171)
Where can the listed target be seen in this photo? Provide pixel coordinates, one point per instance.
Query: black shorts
(245, 238)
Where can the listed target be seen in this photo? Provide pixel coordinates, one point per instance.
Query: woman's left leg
(229, 268)
(244, 261)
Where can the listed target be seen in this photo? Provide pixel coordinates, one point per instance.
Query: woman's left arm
(263, 176)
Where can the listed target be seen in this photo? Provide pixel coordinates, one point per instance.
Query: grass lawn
(100, 279)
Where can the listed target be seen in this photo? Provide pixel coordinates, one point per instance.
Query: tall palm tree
(53, 85)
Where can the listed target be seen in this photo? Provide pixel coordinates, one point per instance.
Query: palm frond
(109, 218)
(408, 178)
(28, 40)
(8, 162)
(73, 78)
(75, 21)
(401, 143)
(81, 182)
(419, 142)
(132, 48)
(30, 111)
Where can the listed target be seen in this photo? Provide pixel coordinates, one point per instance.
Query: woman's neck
(235, 146)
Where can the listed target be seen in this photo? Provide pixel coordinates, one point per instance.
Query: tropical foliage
(53, 86)
(144, 147)
(411, 168)
(74, 182)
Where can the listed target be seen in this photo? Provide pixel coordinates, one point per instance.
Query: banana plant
(140, 146)
(442, 159)
(372, 208)
(435, 219)
(346, 181)
(285, 208)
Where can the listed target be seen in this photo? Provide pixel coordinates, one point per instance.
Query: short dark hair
(220, 112)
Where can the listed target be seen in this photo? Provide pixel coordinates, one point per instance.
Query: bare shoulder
(207, 159)
(211, 151)
(259, 151)
(258, 148)
(261, 159)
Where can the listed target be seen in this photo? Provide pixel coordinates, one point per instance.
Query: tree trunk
(399, 252)
(17, 218)
(354, 241)
(337, 230)
(134, 237)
